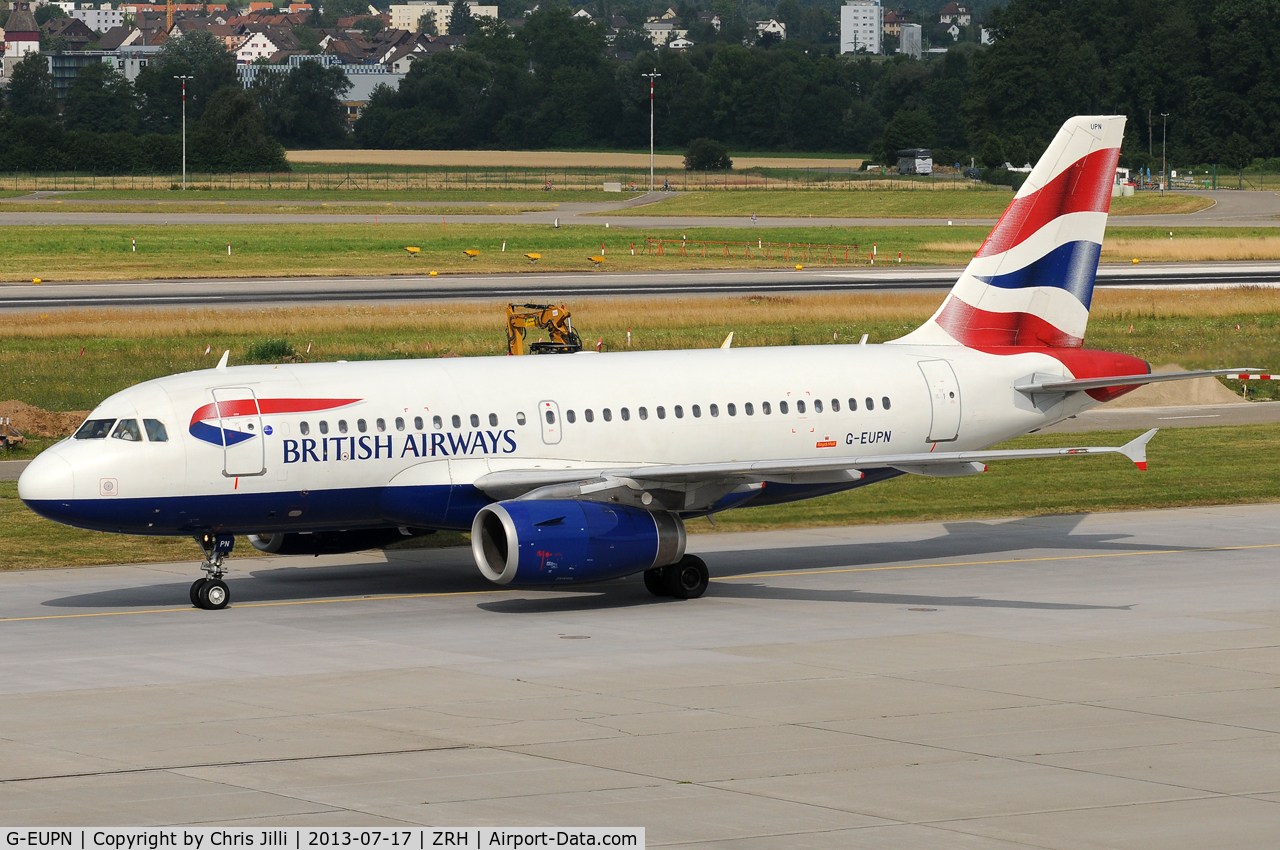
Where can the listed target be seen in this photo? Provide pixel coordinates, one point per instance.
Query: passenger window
(764, 408)
(799, 406)
(853, 405)
(817, 405)
(127, 430)
(156, 432)
(715, 411)
(697, 412)
(399, 423)
(493, 420)
(362, 426)
(304, 429)
(782, 407)
(437, 422)
(551, 417)
(835, 405)
(644, 413)
(95, 429)
(342, 426)
(519, 418)
(662, 412)
(607, 414)
(417, 423)
(457, 421)
(589, 414)
(884, 402)
(626, 414)
(475, 421)
(732, 408)
(679, 412)
(871, 405)
(570, 417)
(324, 427)
(749, 408)
(381, 425)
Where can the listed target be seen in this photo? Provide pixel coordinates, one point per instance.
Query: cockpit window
(156, 432)
(127, 430)
(95, 429)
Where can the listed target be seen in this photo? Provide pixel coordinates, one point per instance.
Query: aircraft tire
(195, 592)
(687, 579)
(654, 582)
(214, 595)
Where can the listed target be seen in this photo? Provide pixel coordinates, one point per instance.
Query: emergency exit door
(944, 398)
(549, 416)
(240, 423)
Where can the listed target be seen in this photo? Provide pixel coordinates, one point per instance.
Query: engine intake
(533, 543)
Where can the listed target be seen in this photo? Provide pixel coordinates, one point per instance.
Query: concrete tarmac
(1061, 681)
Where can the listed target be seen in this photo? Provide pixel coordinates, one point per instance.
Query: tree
(427, 24)
(47, 12)
(707, 155)
(908, 129)
(303, 108)
(31, 93)
(992, 155)
(229, 136)
(370, 26)
(100, 100)
(460, 20)
(200, 55)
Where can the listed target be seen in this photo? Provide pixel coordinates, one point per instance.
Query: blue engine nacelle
(532, 543)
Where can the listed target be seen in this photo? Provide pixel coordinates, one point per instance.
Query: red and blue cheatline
(209, 423)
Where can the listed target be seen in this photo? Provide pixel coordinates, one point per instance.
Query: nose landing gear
(211, 592)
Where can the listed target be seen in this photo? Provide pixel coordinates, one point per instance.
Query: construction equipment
(545, 317)
(10, 437)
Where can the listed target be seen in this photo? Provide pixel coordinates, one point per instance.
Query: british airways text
(371, 447)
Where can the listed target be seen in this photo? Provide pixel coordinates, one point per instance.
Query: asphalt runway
(1064, 682)
(534, 285)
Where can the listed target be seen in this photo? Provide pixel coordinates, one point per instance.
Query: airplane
(584, 467)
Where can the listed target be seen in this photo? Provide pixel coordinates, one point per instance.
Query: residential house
(99, 20)
(21, 36)
(861, 26)
(771, 27)
(709, 18)
(406, 16)
(942, 32)
(661, 30)
(680, 43)
(954, 13)
(893, 22)
(75, 31)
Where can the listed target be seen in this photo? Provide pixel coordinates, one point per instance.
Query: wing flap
(1081, 384)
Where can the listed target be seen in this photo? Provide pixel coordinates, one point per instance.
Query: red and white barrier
(1252, 377)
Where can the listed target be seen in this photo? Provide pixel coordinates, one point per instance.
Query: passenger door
(240, 421)
(944, 397)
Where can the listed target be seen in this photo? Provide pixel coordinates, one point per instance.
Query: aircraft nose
(48, 478)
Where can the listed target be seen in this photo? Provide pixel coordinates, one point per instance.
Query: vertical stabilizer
(1031, 282)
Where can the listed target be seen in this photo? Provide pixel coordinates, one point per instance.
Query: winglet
(728, 341)
(222, 364)
(1136, 449)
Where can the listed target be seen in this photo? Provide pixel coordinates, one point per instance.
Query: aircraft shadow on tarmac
(450, 571)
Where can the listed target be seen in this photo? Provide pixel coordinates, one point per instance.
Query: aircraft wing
(699, 485)
(1078, 384)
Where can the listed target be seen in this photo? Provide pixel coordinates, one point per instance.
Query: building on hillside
(662, 32)
(893, 22)
(771, 27)
(861, 26)
(709, 18)
(21, 36)
(942, 33)
(406, 17)
(911, 42)
(681, 43)
(954, 13)
(99, 20)
(363, 78)
(77, 34)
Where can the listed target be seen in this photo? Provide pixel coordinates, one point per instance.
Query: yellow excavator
(545, 317)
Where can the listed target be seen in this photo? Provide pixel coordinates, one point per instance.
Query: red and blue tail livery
(235, 417)
(1031, 282)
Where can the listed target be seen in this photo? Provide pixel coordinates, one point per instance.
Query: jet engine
(533, 543)
(327, 542)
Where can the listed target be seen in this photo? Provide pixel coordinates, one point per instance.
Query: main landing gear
(686, 579)
(211, 592)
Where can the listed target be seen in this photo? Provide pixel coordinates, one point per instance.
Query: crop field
(104, 252)
(1200, 466)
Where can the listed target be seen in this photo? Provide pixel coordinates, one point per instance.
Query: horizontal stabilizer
(1081, 384)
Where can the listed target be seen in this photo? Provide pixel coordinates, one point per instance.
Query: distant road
(553, 159)
(320, 290)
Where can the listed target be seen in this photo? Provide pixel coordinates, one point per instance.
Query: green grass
(961, 203)
(1188, 467)
(320, 209)
(557, 195)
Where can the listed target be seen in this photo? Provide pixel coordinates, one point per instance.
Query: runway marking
(1171, 418)
(1004, 561)
(719, 578)
(257, 605)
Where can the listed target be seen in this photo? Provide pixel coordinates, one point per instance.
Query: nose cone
(48, 478)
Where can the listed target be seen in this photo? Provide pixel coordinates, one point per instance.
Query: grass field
(965, 202)
(41, 364)
(321, 208)
(1200, 466)
(344, 195)
(102, 252)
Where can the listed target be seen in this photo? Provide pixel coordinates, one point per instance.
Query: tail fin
(1031, 282)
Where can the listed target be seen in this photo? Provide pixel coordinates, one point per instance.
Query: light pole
(651, 79)
(184, 79)
(1164, 163)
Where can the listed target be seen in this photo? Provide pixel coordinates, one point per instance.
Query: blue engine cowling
(532, 543)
